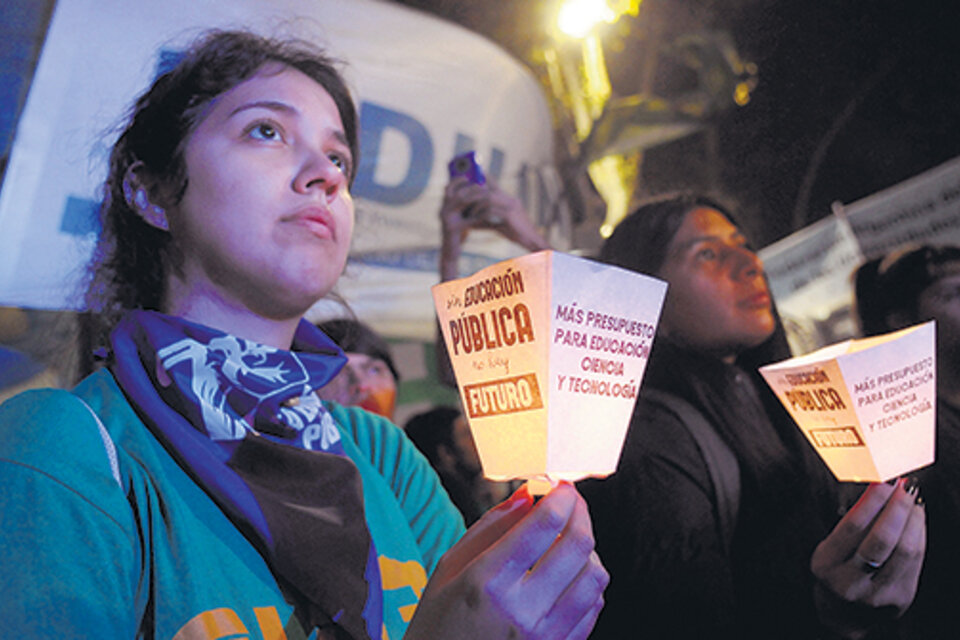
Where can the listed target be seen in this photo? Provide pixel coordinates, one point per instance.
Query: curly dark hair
(132, 258)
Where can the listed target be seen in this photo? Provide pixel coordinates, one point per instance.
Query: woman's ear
(136, 192)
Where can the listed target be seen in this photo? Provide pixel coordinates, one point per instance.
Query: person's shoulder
(661, 441)
(660, 422)
(53, 433)
(33, 420)
(369, 431)
(101, 393)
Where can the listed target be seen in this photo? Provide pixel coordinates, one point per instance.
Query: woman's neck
(236, 320)
(728, 356)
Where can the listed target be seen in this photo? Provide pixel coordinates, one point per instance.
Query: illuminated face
(941, 302)
(718, 299)
(264, 225)
(365, 382)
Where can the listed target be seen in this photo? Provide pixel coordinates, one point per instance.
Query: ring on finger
(867, 566)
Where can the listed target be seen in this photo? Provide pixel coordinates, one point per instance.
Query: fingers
(896, 581)
(565, 558)
(566, 580)
(528, 567)
(529, 539)
(579, 605)
(888, 528)
(870, 563)
(585, 626)
(485, 533)
(460, 192)
(840, 544)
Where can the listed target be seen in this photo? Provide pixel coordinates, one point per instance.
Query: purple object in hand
(466, 164)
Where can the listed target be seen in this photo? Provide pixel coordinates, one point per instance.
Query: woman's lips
(317, 220)
(760, 300)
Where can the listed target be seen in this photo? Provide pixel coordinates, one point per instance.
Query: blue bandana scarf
(242, 419)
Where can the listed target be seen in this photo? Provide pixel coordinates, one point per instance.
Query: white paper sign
(549, 351)
(867, 406)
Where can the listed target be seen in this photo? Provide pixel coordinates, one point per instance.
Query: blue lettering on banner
(492, 166)
(374, 121)
(546, 214)
(80, 217)
(463, 144)
(495, 164)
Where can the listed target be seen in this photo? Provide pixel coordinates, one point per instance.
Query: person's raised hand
(507, 215)
(463, 204)
(467, 206)
(868, 567)
(524, 570)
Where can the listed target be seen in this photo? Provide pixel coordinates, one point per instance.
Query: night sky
(853, 96)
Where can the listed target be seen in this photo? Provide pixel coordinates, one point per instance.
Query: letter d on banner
(374, 121)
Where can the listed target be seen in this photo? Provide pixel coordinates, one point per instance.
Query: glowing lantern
(867, 406)
(549, 351)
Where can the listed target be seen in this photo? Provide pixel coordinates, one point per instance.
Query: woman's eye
(706, 254)
(264, 131)
(340, 162)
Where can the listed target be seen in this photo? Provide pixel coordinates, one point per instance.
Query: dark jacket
(657, 525)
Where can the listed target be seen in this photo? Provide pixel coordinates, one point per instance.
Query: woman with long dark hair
(720, 521)
(197, 487)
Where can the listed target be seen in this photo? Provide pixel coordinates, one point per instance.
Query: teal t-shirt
(127, 548)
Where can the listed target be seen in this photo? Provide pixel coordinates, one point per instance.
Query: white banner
(426, 89)
(811, 271)
(922, 210)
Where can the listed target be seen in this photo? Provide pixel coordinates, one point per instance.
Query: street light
(577, 17)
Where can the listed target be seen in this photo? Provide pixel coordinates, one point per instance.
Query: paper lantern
(867, 406)
(549, 352)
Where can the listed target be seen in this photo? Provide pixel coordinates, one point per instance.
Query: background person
(719, 521)
(197, 484)
(370, 378)
(910, 286)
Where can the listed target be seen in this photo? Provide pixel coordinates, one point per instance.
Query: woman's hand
(868, 567)
(467, 206)
(524, 570)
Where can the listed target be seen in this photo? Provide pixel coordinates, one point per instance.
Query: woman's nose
(748, 264)
(319, 172)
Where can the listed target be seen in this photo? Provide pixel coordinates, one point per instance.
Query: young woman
(718, 521)
(197, 487)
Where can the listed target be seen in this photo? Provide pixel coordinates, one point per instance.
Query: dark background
(852, 96)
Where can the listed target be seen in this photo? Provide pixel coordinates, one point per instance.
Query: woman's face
(264, 225)
(718, 299)
(365, 381)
